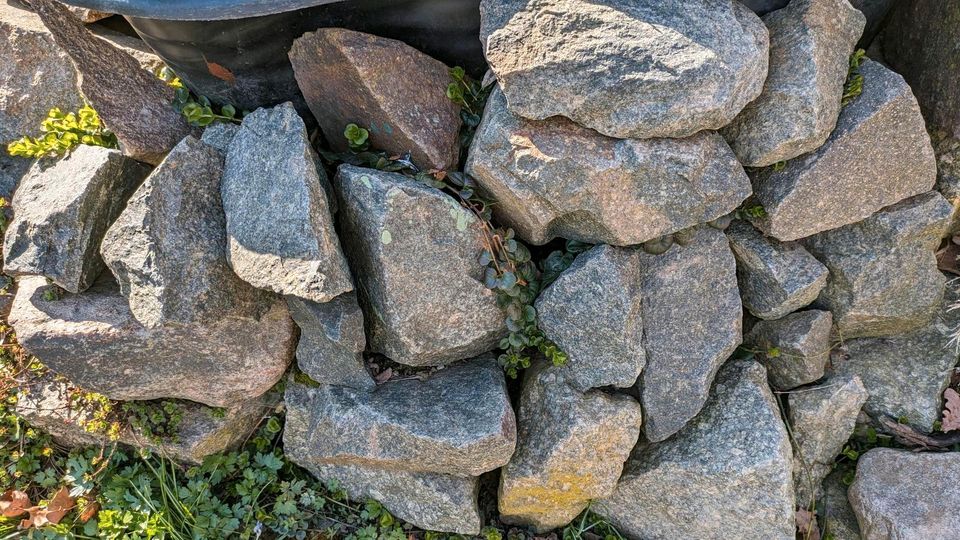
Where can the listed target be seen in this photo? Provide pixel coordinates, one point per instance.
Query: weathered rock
(351, 77)
(775, 278)
(821, 421)
(628, 69)
(167, 249)
(35, 74)
(87, 16)
(279, 223)
(332, 341)
(883, 271)
(94, 340)
(133, 104)
(837, 516)
(795, 349)
(134, 46)
(62, 210)
(902, 494)
(728, 474)
(810, 44)
(692, 322)
(459, 421)
(947, 149)
(555, 178)
(880, 141)
(593, 312)
(201, 432)
(12, 170)
(571, 449)
(219, 135)
(407, 239)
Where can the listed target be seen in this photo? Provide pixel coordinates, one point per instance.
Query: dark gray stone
(880, 141)
(332, 341)
(279, 221)
(762, 7)
(62, 210)
(219, 135)
(628, 69)
(12, 171)
(795, 349)
(837, 517)
(947, 149)
(727, 474)
(876, 13)
(414, 251)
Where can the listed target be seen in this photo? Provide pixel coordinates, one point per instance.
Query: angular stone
(775, 278)
(903, 494)
(692, 321)
(94, 340)
(35, 74)
(837, 517)
(62, 210)
(132, 45)
(87, 16)
(132, 103)
(880, 141)
(332, 341)
(822, 419)
(219, 135)
(728, 474)
(555, 178)
(883, 270)
(459, 421)
(279, 223)
(593, 312)
(628, 69)
(351, 77)
(406, 240)
(571, 449)
(201, 432)
(810, 45)
(795, 349)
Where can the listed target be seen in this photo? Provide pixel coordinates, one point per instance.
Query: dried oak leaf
(58, 506)
(951, 413)
(89, 511)
(807, 527)
(384, 376)
(13, 503)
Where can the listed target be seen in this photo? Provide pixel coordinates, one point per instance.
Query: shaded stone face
(553, 178)
(838, 516)
(389, 88)
(795, 349)
(62, 210)
(628, 69)
(332, 341)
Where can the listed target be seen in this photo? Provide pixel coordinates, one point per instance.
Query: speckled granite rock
(332, 341)
(838, 518)
(219, 135)
(795, 349)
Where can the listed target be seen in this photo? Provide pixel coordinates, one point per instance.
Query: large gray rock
(571, 449)
(593, 312)
(837, 517)
(168, 247)
(880, 141)
(898, 494)
(279, 221)
(132, 45)
(555, 178)
(728, 474)
(414, 251)
(822, 419)
(332, 341)
(94, 340)
(628, 69)
(795, 349)
(883, 270)
(458, 421)
(692, 321)
(775, 278)
(62, 210)
(810, 44)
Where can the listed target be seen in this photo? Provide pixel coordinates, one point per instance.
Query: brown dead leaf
(13, 503)
(384, 376)
(947, 258)
(221, 72)
(58, 506)
(807, 526)
(951, 412)
(89, 511)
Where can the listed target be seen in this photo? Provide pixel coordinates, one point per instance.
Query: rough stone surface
(902, 494)
(822, 419)
(134, 46)
(727, 474)
(459, 421)
(593, 312)
(87, 16)
(35, 74)
(202, 432)
(12, 171)
(395, 91)
(883, 271)
(62, 210)
(947, 149)
(692, 323)
(838, 518)
(332, 341)
(880, 141)
(219, 135)
(810, 44)
(775, 278)
(628, 69)
(406, 240)
(94, 340)
(132, 103)
(279, 221)
(571, 449)
(555, 178)
(801, 342)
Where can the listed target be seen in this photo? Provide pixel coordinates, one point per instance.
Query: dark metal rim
(197, 10)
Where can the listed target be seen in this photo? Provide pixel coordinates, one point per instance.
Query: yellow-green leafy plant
(62, 132)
